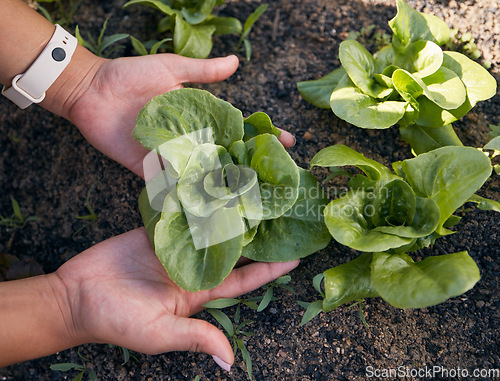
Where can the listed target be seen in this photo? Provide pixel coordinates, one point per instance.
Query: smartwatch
(30, 87)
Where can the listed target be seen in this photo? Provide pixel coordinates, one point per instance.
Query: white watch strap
(30, 87)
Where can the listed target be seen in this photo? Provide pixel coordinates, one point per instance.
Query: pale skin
(117, 291)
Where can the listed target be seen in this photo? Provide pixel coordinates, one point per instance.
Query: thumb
(200, 336)
(204, 70)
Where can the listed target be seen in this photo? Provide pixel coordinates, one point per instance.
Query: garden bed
(48, 167)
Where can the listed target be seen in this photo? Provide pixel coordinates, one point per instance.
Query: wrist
(76, 79)
(66, 325)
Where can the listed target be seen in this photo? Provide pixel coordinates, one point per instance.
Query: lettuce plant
(410, 82)
(225, 188)
(387, 214)
(192, 24)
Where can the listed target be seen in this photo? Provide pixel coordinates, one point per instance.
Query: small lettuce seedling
(410, 82)
(386, 214)
(226, 188)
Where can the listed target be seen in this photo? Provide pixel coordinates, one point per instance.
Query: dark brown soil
(48, 167)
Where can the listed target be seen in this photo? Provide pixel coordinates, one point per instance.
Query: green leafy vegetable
(410, 82)
(223, 186)
(387, 214)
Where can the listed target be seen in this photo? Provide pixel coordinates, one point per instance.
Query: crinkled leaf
(318, 91)
(191, 268)
(192, 112)
(191, 189)
(410, 25)
(348, 223)
(259, 123)
(277, 172)
(348, 282)
(193, 41)
(360, 66)
(425, 221)
(394, 204)
(301, 231)
(448, 175)
(404, 283)
(352, 105)
(340, 155)
(425, 139)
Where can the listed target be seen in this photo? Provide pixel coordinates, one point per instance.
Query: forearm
(35, 319)
(23, 35)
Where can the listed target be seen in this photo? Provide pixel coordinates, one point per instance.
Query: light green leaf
(425, 221)
(191, 190)
(425, 139)
(485, 203)
(110, 40)
(394, 204)
(198, 12)
(404, 283)
(251, 20)
(224, 25)
(448, 175)
(193, 41)
(409, 25)
(348, 223)
(423, 58)
(318, 91)
(192, 112)
(348, 282)
(277, 172)
(259, 123)
(493, 144)
(138, 46)
(355, 107)
(191, 268)
(443, 87)
(360, 65)
(301, 231)
(480, 84)
(340, 155)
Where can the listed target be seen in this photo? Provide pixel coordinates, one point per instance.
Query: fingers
(286, 138)
(248, 278)
(187, 334)
(203, 70)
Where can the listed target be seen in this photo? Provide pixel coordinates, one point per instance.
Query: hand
(105, 110)
(118, 292)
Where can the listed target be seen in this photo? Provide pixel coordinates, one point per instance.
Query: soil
(48, 167)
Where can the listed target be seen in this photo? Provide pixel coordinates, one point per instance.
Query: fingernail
(224, 365)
